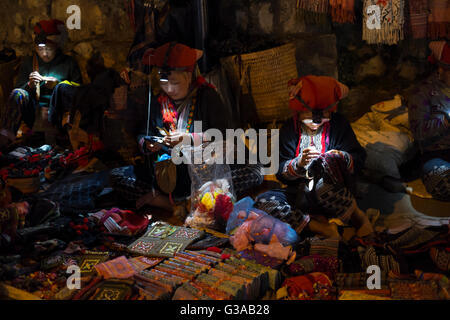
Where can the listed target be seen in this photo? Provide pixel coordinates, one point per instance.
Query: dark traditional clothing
(203, 105)
(429, 116)
(22, 104)
(330, 199)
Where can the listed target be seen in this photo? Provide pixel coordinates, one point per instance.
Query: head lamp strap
(165, 66)
(41, 36)
(316, 112)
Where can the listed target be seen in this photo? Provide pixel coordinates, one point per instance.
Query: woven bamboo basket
(25, 185)
(266, 73)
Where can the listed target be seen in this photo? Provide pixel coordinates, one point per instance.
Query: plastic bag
(212, 196)
(250, 225)
(235, 220)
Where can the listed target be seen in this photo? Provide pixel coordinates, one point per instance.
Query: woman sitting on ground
(318, 151)
(185, 98)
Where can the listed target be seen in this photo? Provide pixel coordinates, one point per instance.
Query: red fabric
(50, 27)
(224, 207)
(302, 287)
(214, 249)
(440, 52)
(445, 57)
(134, 222)
(180, 56)
(318, 92)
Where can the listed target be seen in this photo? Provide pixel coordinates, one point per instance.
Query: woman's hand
(35, 78)
(177, 137)
(152, 147)
(51, 82)
(23, 209)
(308, 155)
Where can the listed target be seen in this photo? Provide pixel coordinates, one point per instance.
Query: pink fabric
(118, 268)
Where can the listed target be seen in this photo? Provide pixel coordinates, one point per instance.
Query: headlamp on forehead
(164, 75)
(164, 72)
(317, 114)
(41, 39)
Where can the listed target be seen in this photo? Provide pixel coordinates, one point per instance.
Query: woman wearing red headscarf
(185, 97)
(319, 155)
(38, 76)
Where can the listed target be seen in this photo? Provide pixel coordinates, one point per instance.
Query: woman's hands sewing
(36, 78)
(152, 147)
(308, 155)
(176, 137)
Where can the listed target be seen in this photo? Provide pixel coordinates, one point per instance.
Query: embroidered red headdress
(316, 92)
(50, 31)
(179, 57)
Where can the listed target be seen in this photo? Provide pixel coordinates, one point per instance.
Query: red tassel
(214, 249)
(225, 256)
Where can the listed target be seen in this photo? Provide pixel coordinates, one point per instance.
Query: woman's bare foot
(361, 223)
(328, 230)
(155, 199)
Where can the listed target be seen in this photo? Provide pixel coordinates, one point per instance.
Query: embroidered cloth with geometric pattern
(164, 240)
(118, 268)
(89, 260)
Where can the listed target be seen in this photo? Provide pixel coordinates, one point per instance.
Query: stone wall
(105, 27)
(373, 73)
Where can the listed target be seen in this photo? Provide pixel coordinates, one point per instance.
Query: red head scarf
(180, 57)
(440, 53)
(55, 31)
(318, 92)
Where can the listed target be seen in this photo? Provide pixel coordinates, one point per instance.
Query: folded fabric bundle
(233, 278)
(386, 262)
(314, 263)
(118, 268)
(441, 258)
(164, 240)
(324, 247)
(113, 290)
(120, 221)
(357, 280)
(261, 258)
(89, 260)
(142, 263)
(77, 193)
(364, 295)
(414, 290)
(311, 286)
